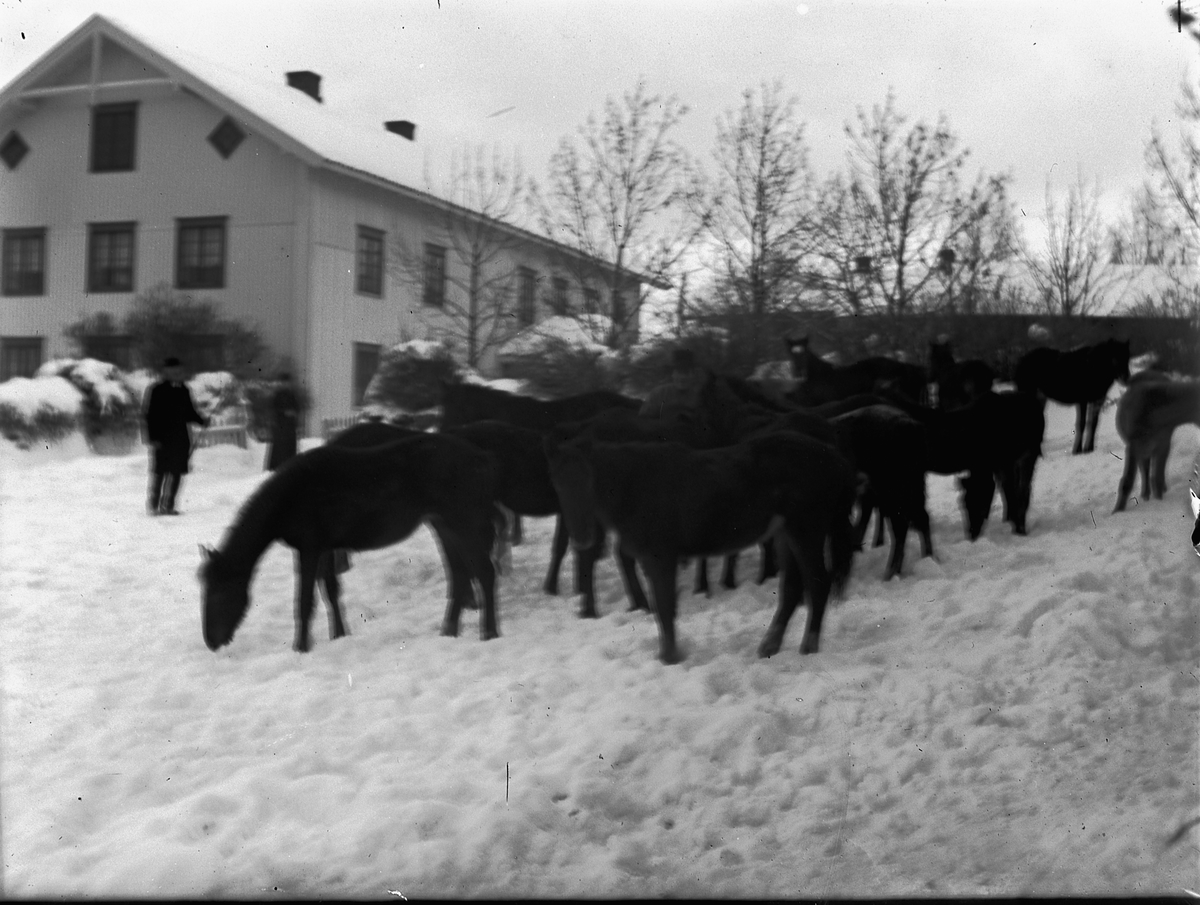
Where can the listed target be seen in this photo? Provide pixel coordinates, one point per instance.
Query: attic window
(226, 137)
(13, 150)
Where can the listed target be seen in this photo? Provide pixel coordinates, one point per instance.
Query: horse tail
(842, 543)
(502, 519)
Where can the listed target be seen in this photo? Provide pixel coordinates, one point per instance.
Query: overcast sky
(1033, 88)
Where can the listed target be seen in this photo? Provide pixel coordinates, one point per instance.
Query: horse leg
(332, 587)
(477, 552)
(810, 555)
(729, 572)
(1159, 475)
(878, 542)
(627, 566)
(1128, 476)
(768, 562)
(978, 490)
(515, 533)
(585, 569)
(305, 591)
(1080, 422)
(1093, 419)
(899, 522)
(558, 550)
(790, 593)
(701, 585)
(661, 571)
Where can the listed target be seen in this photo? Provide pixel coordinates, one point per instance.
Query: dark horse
(1147, 415)
(1080, 377)
(465, 403)
(958, 383)
(667, 501)
(523, 487)
(332, 498)
(996, 439)
(819, 381)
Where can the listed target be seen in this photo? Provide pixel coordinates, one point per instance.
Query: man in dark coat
(285, 421)
(168, 411)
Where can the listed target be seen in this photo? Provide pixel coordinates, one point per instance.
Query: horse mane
(249, 535)
(746, 391)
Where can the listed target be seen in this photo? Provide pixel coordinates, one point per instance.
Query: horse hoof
(588, 614)
(551, 588)
(809, 647)
(449, 632)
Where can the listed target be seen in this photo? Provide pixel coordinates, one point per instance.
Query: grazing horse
(958, 383)
(1147, 414)
(820, 381)
(667, 501)
(332, 498)
(523, 487)
(1081, 377)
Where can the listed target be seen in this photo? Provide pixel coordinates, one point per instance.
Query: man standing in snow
(168, 411)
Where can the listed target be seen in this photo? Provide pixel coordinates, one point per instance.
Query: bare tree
(1071, 272)
(901, 207)
(761, 200)
(465, 266)
(625, 193)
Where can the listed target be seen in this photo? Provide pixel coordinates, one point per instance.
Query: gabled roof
(101, 55)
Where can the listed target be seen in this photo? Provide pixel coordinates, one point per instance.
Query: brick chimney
(403, 128)
(308, 82)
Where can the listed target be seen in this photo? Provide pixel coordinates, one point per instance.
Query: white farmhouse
(125, 165)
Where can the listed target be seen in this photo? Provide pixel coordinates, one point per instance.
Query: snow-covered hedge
(410, 376)
(110, 409)
(43, 409)
(100, 401)
(562, 356)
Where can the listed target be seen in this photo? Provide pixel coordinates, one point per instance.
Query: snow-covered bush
(563, 356)
(410, 376)
(110, 414)
(43, 409)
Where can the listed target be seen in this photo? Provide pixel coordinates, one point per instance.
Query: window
(110, 257)
(435, 276)
(226, 137)
(368, 266)
(114, 134)
(20, 356)
(200, 253)
(591, 301)
(24, 262)
(526, 295)
(366, 363)
(559, 300)
(110, 347)
(13, 150)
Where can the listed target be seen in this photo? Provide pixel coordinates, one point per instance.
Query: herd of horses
(797, 474)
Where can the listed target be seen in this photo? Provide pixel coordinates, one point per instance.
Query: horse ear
(206, 553)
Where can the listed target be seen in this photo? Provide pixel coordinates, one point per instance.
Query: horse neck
(255, 527)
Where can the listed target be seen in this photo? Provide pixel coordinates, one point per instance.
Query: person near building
(167, 414)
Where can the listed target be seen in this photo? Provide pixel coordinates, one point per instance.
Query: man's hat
(683, 360)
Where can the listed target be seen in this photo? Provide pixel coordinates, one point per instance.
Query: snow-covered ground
(1017, 717)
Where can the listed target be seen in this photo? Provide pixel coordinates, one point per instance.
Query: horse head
(798, 353)
(225, 597)
(573, 478)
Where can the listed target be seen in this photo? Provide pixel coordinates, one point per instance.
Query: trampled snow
(1017, 716)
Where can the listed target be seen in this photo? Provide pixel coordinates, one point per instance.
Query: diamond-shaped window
(13, 151)
(226, 137)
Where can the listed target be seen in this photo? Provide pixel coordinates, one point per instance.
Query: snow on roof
(334, 132)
